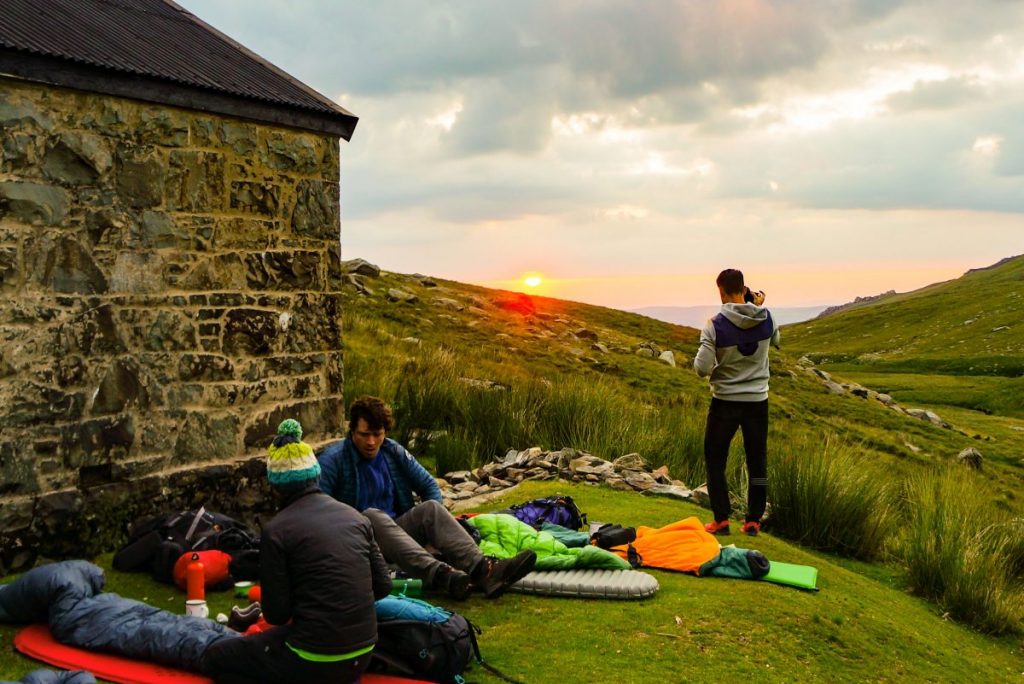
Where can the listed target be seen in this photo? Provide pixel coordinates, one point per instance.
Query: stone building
(169, 270)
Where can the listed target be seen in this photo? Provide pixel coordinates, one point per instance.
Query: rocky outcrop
(859, 300)
(630, 472)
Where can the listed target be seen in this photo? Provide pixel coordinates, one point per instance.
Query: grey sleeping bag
(68, 596)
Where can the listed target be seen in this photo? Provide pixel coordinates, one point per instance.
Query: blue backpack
(557, 510)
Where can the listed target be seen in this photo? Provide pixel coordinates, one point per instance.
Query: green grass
(857, 628)
(971, 570)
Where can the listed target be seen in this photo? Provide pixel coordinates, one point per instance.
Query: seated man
(320, 571)
(377, 476)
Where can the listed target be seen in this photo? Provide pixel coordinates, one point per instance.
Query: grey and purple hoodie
(734, 352)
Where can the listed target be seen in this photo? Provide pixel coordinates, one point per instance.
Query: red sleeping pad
(36, 642)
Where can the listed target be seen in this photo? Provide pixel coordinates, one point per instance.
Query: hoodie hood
(745, 316)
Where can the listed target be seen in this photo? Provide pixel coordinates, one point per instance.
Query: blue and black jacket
(338, 477)
(733, 352)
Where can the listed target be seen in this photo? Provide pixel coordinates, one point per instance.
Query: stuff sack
(433, 644)
(558, 510)
(611, 535)
(216, 572)
(156, 543)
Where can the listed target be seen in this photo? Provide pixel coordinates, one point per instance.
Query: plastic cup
(197, 608)
(242, 589)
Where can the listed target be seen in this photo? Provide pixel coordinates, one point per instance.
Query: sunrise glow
(532, 280)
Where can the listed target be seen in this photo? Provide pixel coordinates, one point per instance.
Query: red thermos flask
(195, 579)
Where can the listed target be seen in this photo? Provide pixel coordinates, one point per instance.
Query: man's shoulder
(334, 450)
(396, 451)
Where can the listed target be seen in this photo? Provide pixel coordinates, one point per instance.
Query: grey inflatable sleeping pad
(599, 584)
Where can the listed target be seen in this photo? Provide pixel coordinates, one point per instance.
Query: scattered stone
(597, 346)
(449, 304)
(395, 295)
(834, 388)
(700, 496)
(859, 392)
(668, 357)
(585, 334)
(805, 362)
(630, 462)
(1001, 328)
(885, 399)
(822, 374)
(971, 458)
(360, 267)
(425, 281)
(670, 491)
(915, 449)
(412, 340)
(646, 353)
(928, 416)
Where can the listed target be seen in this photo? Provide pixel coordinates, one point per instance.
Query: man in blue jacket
(377, 476)
(733, 354)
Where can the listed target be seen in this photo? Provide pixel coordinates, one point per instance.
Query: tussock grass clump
(824, 496)
(959, 554)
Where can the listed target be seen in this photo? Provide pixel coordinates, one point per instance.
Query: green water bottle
(405, 586)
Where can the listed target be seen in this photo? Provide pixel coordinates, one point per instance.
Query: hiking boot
(719, 527)
(495, 576)
(453, 582)
(751, 528)
(243, 618)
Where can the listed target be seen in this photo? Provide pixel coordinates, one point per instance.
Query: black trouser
(264, 658)
(724, 417)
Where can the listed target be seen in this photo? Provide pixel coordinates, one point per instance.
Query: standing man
(320, 572)
(377, 476)
(734, 355)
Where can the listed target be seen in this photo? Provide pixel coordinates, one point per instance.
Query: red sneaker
(751, 528)
(719, 527)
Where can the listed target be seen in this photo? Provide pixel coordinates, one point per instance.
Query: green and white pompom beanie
(290, 461)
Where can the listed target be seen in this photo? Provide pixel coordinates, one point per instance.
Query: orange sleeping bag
(683, 545)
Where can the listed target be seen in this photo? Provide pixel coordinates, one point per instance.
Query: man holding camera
(733, 353)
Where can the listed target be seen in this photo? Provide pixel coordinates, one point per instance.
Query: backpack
(158, 542)
(425, 642)
(611, 535)
(558, 510)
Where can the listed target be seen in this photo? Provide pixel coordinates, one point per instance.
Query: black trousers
(265, 659)
(724, 418)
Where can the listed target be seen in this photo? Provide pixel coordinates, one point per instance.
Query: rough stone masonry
(169, 285)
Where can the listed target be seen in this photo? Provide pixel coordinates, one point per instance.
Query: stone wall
(168, 292)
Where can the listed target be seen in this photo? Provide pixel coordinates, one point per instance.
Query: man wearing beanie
(320, 572)
(377, 476)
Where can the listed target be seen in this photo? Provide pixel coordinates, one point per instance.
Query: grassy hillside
(860, 627)
(968, 326)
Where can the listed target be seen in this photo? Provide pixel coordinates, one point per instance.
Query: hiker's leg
(257, 658)
(266, 658)
(721, 426)
(397, 546)
(755, 445)
(431, 523)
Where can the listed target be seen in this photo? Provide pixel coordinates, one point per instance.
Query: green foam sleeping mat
(800, 576)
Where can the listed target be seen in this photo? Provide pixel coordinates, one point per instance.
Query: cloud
(944, 94)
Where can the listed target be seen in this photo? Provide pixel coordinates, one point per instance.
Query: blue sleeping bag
(69, 597)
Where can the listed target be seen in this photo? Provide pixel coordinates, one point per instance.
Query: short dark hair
(731, 281)
(373, 410)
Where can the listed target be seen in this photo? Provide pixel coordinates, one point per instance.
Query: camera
(748, 296)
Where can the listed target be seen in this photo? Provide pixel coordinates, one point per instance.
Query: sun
(532, 280)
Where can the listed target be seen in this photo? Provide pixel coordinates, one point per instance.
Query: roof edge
(67, 74)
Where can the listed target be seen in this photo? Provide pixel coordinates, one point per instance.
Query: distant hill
(971, 325)
(696, 316)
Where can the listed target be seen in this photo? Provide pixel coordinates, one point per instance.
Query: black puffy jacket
(320, 568)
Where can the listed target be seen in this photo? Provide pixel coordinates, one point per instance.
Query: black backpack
(434, 651)
(156, 543)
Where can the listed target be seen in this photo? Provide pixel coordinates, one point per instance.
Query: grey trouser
(402, 540)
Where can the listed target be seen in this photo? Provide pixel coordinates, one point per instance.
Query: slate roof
(156, 50)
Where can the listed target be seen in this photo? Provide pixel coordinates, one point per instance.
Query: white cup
(197, 608)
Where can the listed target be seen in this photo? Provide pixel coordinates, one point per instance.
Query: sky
(627, 151)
